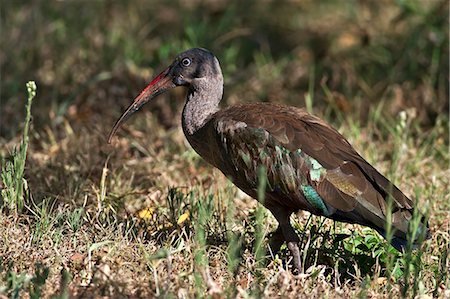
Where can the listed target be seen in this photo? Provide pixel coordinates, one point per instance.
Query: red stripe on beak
(157, 86)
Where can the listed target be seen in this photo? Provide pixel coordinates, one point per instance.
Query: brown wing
(350, 187)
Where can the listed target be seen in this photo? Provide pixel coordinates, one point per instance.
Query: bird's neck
(201, 103)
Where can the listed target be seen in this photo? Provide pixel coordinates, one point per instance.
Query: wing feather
(288, 141)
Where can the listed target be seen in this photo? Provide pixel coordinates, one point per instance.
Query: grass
(147, 217)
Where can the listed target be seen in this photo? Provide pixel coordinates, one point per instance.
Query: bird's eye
(186, 62)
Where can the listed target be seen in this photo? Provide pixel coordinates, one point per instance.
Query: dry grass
(83, 231)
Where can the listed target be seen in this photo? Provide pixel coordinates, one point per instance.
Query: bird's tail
(416, 230)
(399, 240)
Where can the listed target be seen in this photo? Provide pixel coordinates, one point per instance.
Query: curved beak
(159, 84)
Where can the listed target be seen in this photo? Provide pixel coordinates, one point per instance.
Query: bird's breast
(204, 143)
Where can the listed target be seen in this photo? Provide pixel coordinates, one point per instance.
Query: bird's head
(189, 68)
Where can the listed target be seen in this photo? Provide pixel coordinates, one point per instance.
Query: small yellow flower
(183, 218)
(146, 213)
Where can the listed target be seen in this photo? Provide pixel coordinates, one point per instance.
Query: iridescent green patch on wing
(314, 199)
(315, 168)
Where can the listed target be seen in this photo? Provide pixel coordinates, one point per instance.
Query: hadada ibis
(308, 164)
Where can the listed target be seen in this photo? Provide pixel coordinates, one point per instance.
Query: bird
(306, 163)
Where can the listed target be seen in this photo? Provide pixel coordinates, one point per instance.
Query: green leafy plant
(12, 195)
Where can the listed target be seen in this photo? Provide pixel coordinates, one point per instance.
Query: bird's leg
(276, 240)
(290, 236)
(295, 250)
